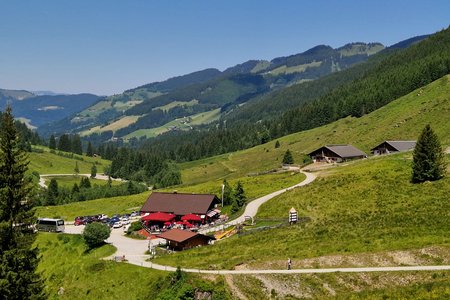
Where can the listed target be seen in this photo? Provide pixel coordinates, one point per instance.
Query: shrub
(95, 234)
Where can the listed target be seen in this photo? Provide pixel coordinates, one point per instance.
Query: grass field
(181, 124)
(175, 104)
(108, 206)
(295, 69)
(368, 206)
(116, 125)
(402, 119)
(69, 181)
(52, 163)
(83, 275)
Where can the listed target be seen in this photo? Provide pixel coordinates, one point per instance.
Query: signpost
(293, 216)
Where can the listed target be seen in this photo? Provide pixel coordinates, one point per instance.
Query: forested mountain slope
(155, 104)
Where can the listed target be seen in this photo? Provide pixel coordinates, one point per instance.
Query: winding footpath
(98, 176)
(133, 250)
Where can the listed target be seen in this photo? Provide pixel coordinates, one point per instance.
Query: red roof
(159, 217)
(191, 217)
(179, 204)
(178, 235)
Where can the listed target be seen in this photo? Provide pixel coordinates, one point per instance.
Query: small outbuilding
(387, 147)
(336, 153)
(178, 239)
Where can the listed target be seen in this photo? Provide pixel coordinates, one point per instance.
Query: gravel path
(98, 176)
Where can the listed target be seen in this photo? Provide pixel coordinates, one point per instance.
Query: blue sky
(107, 46)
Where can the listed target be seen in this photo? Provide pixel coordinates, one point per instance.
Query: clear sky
(107, 46)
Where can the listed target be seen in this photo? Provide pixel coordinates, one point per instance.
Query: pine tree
(52, 192)
(277, 144)
(89, 150)
(428, 157)
(76, 146)
(64, 143)
(76, 169)
(239, 194)
(52, 142)
(287, 158)
(93, 171)
(18, 258)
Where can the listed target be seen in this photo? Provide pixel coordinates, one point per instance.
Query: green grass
(83, 275)
(109, 206)
(181, 124)
(402, 119)
(368, 206)
(50, 163)
(69, 181)
(175, 104)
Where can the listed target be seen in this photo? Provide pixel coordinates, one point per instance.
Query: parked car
(118, 224)
(79, 221)
(126, 221)
(134, 214)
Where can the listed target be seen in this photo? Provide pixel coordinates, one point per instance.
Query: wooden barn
(178, 239)
(387, 147)
(178, 205)
(336, 153)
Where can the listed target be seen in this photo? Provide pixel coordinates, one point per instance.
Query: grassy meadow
(402, 119)
(52, 163)
(108, 206)
(366, 206)
(84, 275)
(69, 181)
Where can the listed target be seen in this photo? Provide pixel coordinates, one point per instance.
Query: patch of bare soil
(426, 256)
(235, 291)
(283, 286)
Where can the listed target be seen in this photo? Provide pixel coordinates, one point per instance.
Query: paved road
(134, 253)
(134, 250)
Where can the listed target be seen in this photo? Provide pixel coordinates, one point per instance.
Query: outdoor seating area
(164, 211)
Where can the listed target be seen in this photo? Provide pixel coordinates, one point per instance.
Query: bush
(95, 234)
(135, 226)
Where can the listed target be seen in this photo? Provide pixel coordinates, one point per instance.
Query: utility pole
(223, 187)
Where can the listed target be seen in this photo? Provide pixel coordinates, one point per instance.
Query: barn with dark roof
(336, 153)
(387, 147)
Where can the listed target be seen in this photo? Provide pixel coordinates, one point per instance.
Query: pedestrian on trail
(289, 264)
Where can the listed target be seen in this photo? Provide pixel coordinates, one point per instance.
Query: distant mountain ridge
(39, 110)
(158, 103)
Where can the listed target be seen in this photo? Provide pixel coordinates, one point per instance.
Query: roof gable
(179, 204)
(177, 235)
(343, 151)
(398, 145)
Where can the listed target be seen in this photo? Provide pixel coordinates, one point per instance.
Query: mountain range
(198, 98)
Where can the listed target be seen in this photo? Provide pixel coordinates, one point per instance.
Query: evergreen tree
(85, 183)
(109, 181)
(287, 158)
(52, 192)
(428, 157)
(239, 194)
(64, 143)
(227, 193)
(76, 145)
(75, 189)
(90, 150)
(18, 258)
(76, 170)
(277, 144)
(52, 142)
(93, 171)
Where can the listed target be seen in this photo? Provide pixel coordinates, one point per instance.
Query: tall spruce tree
(77, 147)
(428, 157)
(18, 257)
(64, 143)
(52, 142)
(89, 150)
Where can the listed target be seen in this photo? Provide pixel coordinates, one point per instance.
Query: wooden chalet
(178, 239)
(387, 147)
(181, 204)
(336, 153)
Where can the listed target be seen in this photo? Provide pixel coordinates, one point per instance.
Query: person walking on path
(289, 264)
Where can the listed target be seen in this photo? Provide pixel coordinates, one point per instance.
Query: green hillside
(46, 162)
(366, 207)
(402, 119)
